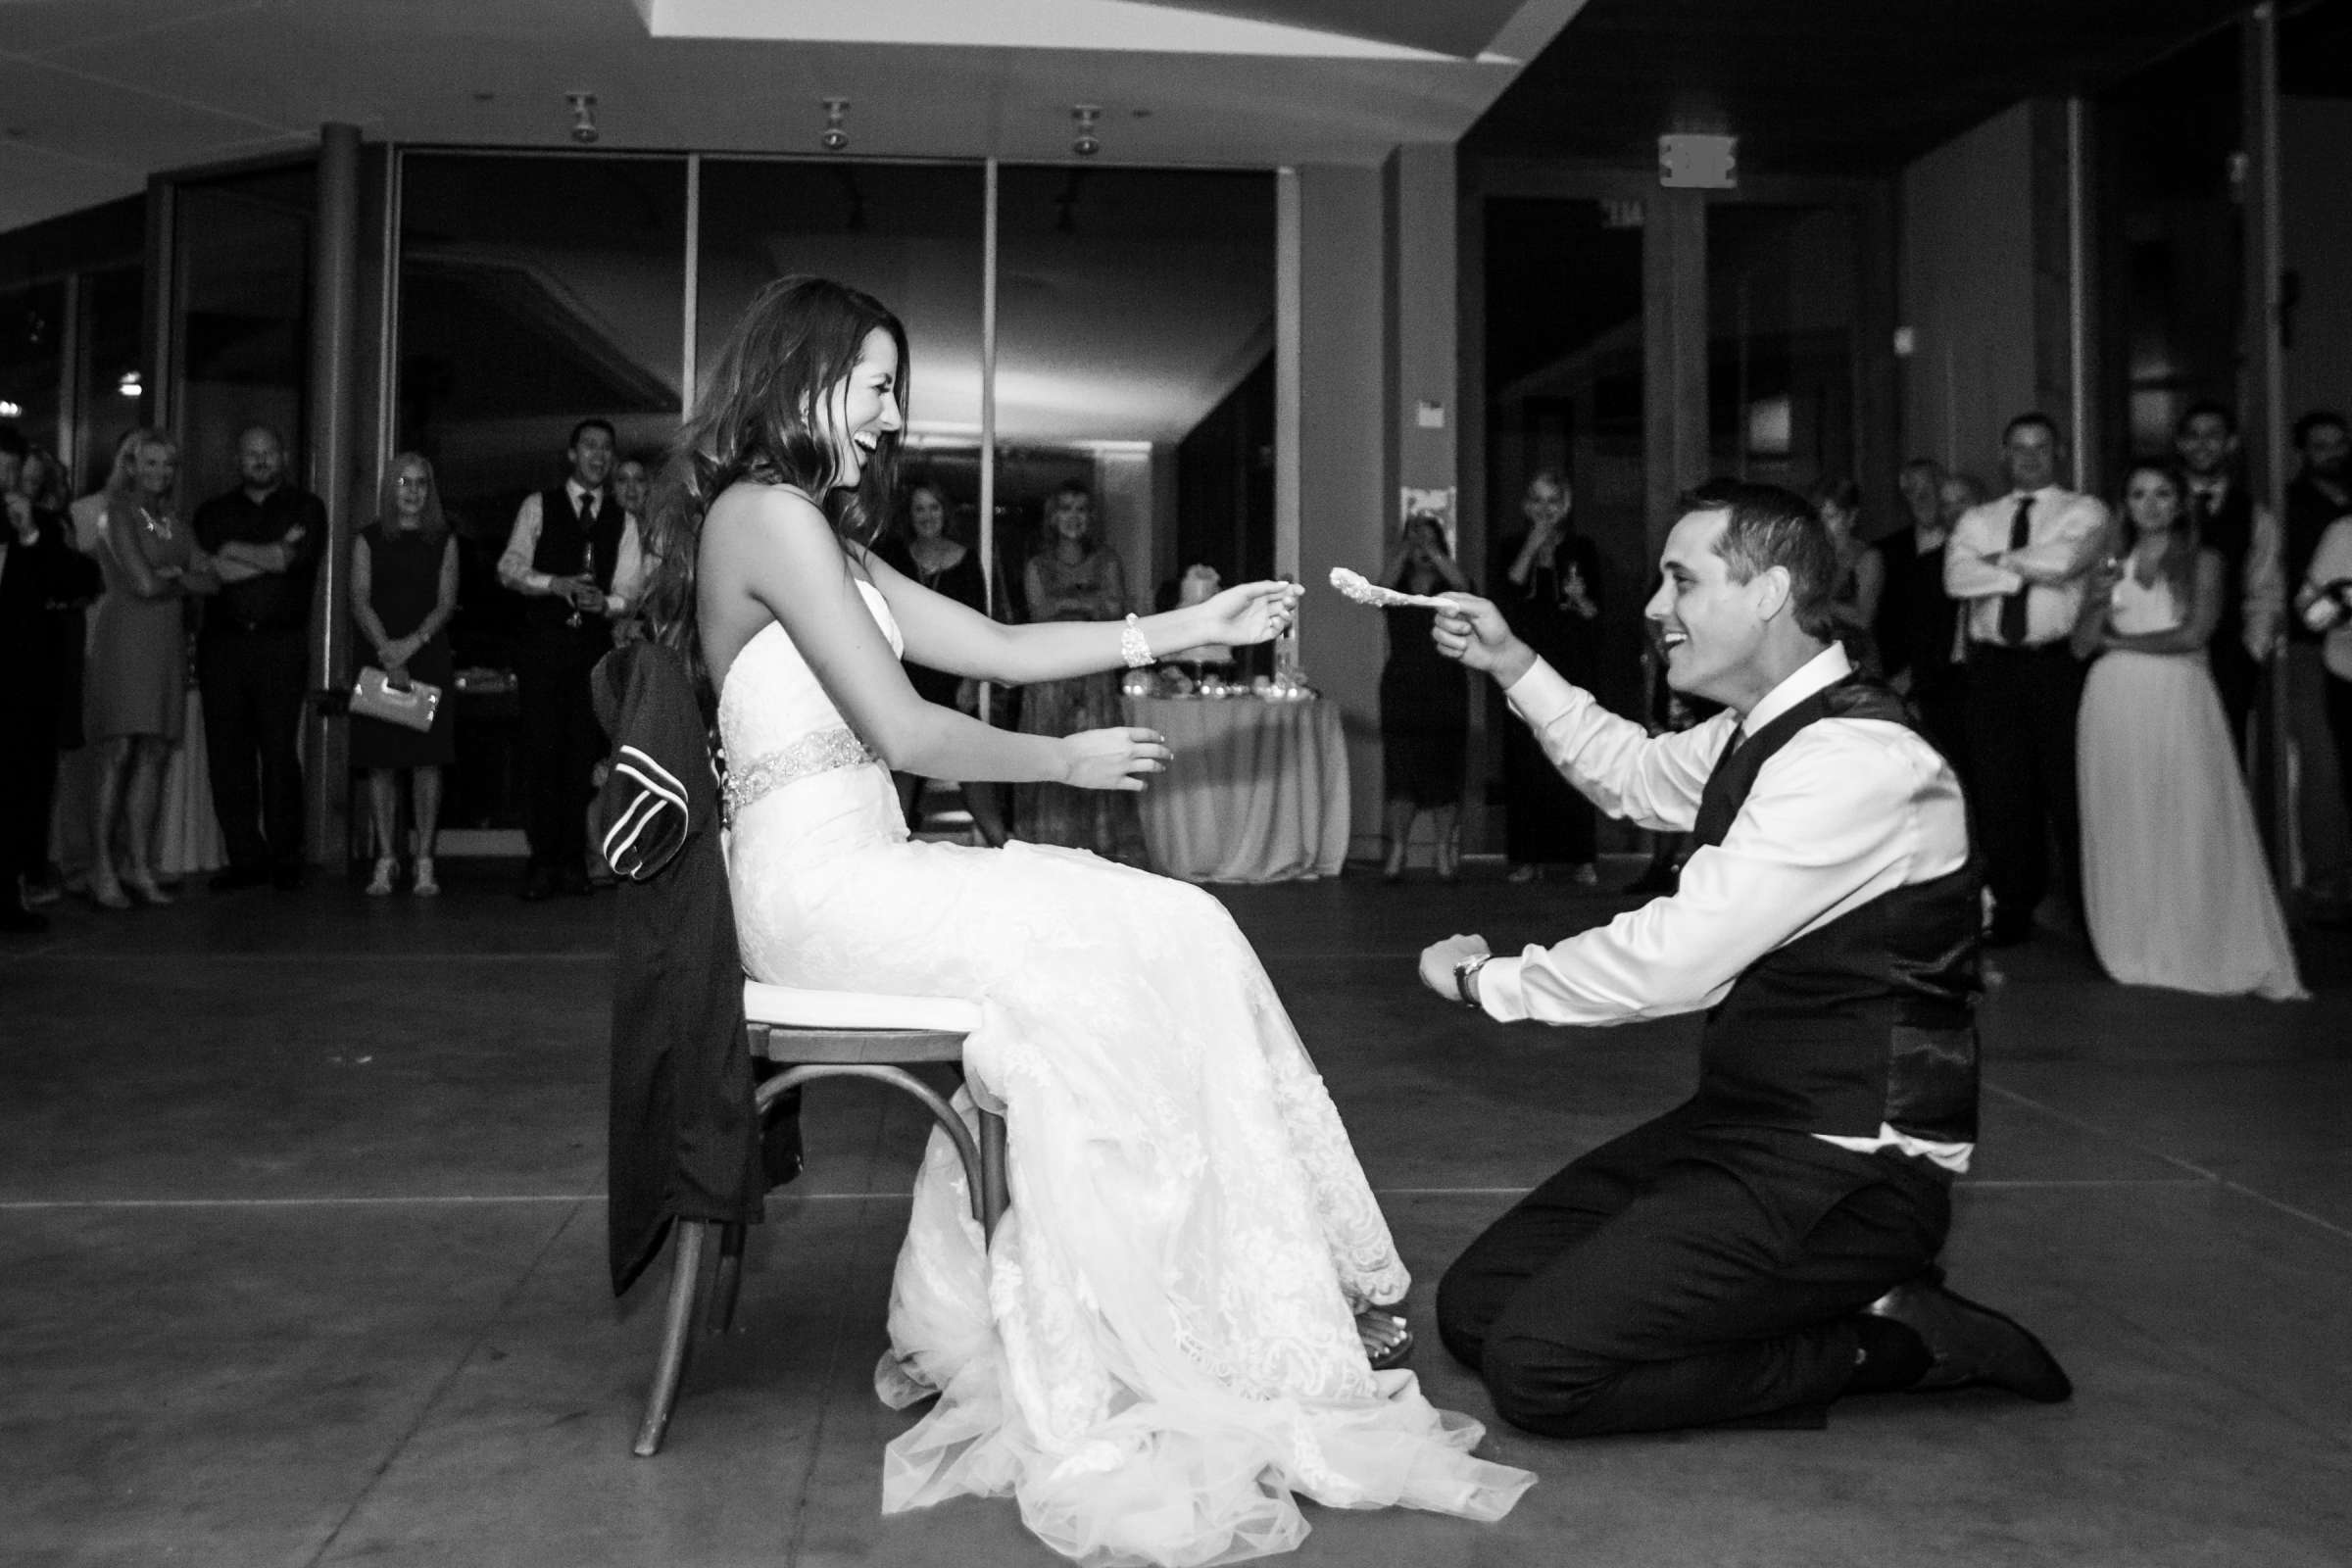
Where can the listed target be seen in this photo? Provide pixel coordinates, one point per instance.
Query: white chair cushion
(790, 1006)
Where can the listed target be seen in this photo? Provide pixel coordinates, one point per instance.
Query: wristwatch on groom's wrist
(1465, 980)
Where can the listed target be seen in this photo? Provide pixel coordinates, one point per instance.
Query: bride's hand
(1251, 612)
(1113, 758)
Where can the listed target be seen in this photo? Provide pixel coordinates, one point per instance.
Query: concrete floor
(302, 1262)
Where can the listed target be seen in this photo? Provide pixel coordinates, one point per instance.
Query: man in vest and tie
(2244, 533)
(1768, 1245)
(576, 558)
(2019, 565)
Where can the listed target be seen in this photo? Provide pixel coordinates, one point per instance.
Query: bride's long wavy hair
(762, 417)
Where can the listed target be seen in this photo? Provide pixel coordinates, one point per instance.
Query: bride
(1172, 1330)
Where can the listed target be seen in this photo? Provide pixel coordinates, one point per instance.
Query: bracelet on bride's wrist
(1132, 647)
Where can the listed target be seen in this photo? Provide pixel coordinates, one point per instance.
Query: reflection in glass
(1564, 392)
(242, 270)
(32, 333)
(2171, 229)
(1135, 342)
(1781, 286)
(534, 292)
(910, 234)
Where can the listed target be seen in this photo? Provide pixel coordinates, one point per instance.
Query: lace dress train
(1158, 1349)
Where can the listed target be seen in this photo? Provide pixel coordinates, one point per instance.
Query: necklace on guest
(161, 527)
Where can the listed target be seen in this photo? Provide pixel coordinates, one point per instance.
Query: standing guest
(1861, 590)
(39, 571)
(135, 691)
(2244, 534)
(1076, 577)
(55, 673)
(2324, 606)
(252, 663)
(1919, 623)
(88, 514)
(2018, 564)
(2174, 889)
(404, 590)
(1552, 590)
(1424, 706)
(575, 557)
(1769, 1246)
(2319, 830)
(925, 550)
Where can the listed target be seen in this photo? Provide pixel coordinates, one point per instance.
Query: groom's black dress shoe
(1972, 1344)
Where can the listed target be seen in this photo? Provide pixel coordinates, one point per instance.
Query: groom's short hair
(1766, 526)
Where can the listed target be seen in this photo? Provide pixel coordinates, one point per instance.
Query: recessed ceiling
(96, 95)
(1830, 86)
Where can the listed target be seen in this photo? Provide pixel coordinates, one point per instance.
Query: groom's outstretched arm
(1614, 762)
(1848, 812)
(1653, 782)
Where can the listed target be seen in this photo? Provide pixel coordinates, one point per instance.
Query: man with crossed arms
(1768, 1245)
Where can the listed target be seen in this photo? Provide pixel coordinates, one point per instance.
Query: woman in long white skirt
(2176, 888)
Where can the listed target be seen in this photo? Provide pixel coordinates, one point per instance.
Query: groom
(1769, 1244)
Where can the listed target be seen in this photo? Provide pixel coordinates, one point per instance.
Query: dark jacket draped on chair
(686, 1142)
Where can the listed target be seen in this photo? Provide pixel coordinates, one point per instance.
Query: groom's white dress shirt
(1848, 809)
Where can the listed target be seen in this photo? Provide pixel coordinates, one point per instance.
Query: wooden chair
(827, 1034)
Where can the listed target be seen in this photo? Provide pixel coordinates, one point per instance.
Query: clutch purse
(374, 696)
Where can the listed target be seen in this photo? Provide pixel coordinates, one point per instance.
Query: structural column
(331, 455)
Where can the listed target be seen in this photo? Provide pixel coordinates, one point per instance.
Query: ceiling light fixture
(583, 116)
(130, 385)
(835, 139)
(1086, 143)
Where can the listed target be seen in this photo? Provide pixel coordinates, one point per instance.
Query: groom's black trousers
(1685, 1274)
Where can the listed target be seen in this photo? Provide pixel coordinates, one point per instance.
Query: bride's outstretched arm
(777, 548)
(942, 634)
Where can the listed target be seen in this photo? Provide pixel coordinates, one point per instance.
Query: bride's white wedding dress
(1159, 1347)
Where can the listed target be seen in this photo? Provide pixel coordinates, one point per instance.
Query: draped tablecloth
(1258, 792)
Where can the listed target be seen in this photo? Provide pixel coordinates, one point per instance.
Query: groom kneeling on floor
(1769, 1244)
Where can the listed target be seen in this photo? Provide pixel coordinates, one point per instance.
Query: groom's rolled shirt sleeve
(1844, 813)
(1654, 780)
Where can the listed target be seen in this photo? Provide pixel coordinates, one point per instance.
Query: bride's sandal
(1386, 1338)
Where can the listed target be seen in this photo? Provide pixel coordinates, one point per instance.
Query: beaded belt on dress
(818, 753)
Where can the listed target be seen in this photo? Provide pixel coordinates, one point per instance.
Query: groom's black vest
(1867, 1019)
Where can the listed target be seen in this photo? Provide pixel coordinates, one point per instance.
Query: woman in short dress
(404, 590)
(1076, 577)
(1424, 706)
(136, 685)
(932, 556)
(1855, 601)
(1553, 599)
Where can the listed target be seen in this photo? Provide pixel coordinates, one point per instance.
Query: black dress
(1549, 823)
(404, 583)
(959, 582)
(1424, 714)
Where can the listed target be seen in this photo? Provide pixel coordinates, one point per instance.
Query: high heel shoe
(1449, 859)
(380, 886)
(142, 883)
(1392, 870)
(106, 890)
(425, 887)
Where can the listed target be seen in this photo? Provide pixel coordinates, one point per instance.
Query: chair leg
(677, 1328)
(730, 1279)
(995, 1197)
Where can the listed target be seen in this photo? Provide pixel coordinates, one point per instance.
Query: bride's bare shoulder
(747, 502)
